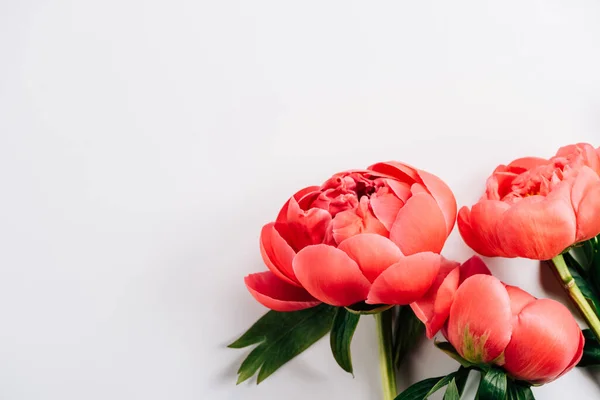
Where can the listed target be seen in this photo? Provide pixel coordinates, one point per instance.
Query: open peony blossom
(536, 208)
(488, 322)
(370, 235)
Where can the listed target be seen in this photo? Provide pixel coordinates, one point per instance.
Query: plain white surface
(144, 143)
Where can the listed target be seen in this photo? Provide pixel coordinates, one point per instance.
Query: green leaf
(344, 325)
(407, 333)
(591, 350)
(461, 379)
(452, 391)
(447, 348)
(493, 385)
(419, 390)
(519, 392)
(425, 388)
(281, 336)
(585, 285)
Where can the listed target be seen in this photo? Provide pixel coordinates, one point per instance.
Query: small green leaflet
(493, 385)
(281, 336)
(584, 281)
(407, 333)
(452, 391)
(591, 350)
(342, 331)
(519, 392)
(447, 348)
(423, 389)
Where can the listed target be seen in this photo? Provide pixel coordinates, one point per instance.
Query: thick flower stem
(386, 362)
(562, 271)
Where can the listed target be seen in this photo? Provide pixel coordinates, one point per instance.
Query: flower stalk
(386, 362)
(568, 282)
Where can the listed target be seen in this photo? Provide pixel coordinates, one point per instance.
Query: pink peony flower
(536, 208)
(372, 235)
(489, 322)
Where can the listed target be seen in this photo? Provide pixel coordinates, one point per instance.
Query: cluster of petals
(536, 208)
(369, 236)
(489, 322)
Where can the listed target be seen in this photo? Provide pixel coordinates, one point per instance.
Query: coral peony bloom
(536, 208)
(488, 322)
(372, 235)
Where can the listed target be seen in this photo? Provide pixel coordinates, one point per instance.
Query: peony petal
(469, 234)
(518, 299)
(373, 253)
(433, 308)
(400, 189)
(443, 195)
(485, 216)
(277, 254)
(499, 185)
(473, 266)
(419, 226)
(277, 295)
(418, 188)
(584, 181)
(303, 228)
(282, 216)
(402, 172)
(479, 324)
(584, 150)
(577, 357)
(386, 207)
(585, 196)
(545, 340)
(330, 275)
(405, 281)
(539, 227)
(521, 165)
(352, 222)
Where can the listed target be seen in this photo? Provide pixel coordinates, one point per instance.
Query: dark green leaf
(423, 389)
(447, 348)
(591, 350)
(461, 379)
(344, 325)
(281, 336)
(586, 286)
(519, 392)
(577, 263)
(493, 385)
(407, 333)
(419, 390)
(452, 391)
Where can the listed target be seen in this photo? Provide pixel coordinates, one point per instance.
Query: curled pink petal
(402, 172)
(330, 275)
(434, 307)
(303, 228)
(479, 325)
(442, 195)
(277, 254)
(373, 253)
(420, 226)
(405, 281)
(273, 293)
(539, 227)
(386, 207)
(541, 349)
(282, 216)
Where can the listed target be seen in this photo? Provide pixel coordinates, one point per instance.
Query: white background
(143, 144)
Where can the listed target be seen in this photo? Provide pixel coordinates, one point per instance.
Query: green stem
(386, 362)
(563, 273)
